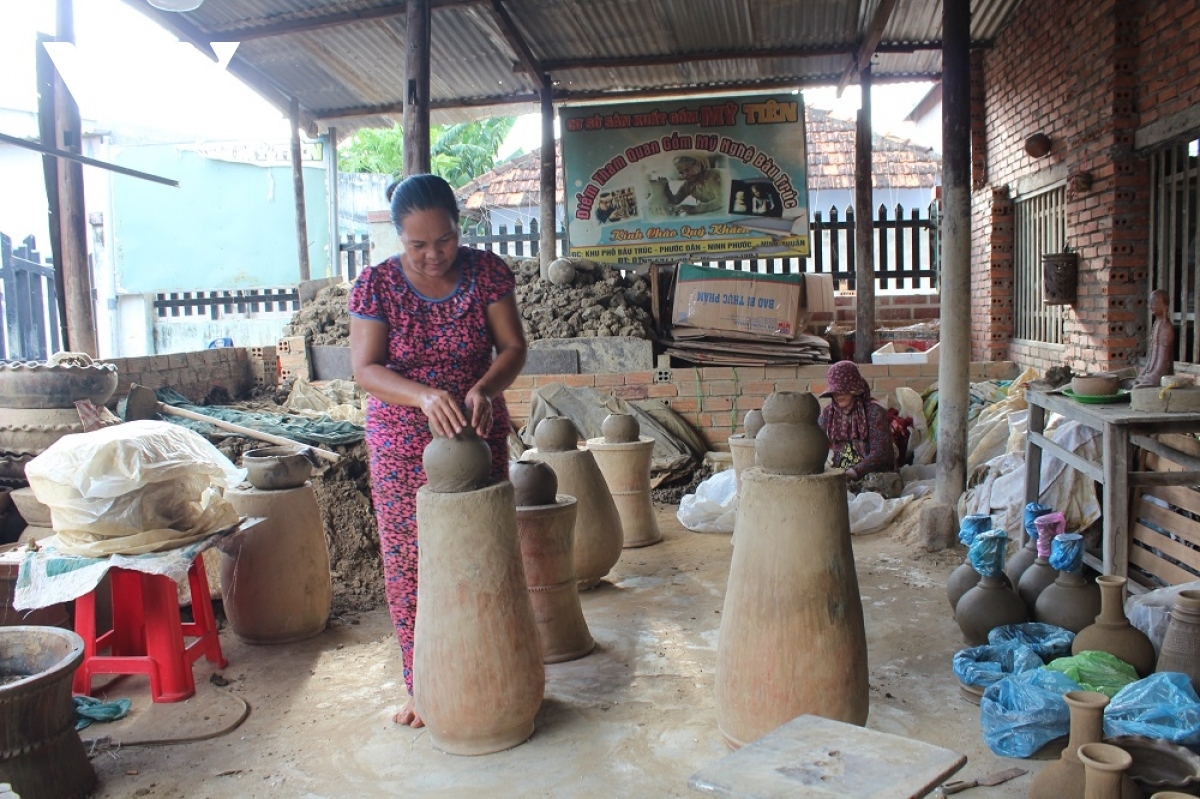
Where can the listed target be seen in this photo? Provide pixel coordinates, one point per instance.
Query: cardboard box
(746, 302)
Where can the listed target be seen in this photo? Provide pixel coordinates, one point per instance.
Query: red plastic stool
(147, 635)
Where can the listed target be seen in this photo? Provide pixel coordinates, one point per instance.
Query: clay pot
(534, 483)
(620, 428)
(792, 639)
(743, 450)
(626, 470)
(1100, 384)
(1064, 778)
(791, 442)
(753, 423)
(35, 512)
(478, 678)
(963, 579)
(1112, 631)
(461, 463)
(12, 465)
(36, 384)
(1104, 766)
(1181, 644)
(1038, 145)
(276, 468)
(556, 434)
(1070, 602)
(988, 605)
(547, 535)
(1040, 573)
(1021, 560)
(35, 429)
(1159, 766)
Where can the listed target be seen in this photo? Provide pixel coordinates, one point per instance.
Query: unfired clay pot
(478, 677)
(1181, 644)
(792, 639)
(1040, 574)
(753, 423)
(556, 434)
(38, 384)
(276, 468)
(1063, 778)
(791, 441)
(963, 579)
(534, 483)
(1021, 560)
(1104, 766)
(988, 605)
(461, 463)
(626, 470)
(1111, 632)
(1070, 602)
(620, 428)
(35, 429)
(743, 449)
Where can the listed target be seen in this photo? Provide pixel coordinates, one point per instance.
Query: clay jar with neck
(791, 441)
(1070, 602)
(1041, 574)
(461, 463)
(1104, 765)
(1064, 778)
(1112, 631)
(1024, 557)
(1181, 644)
(964, 578)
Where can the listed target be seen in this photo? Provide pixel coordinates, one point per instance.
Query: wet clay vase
(791, 442)
(792, 639)
(534, 483)
(1064, 778)
(989, 604)
(478, 677)
(1112, 633)
(41, 755)
(626, 470)
(620, 428)
(1181, 644)
(964, 578)
(1104, 767)
(276, 468)
(743, 449)
(275, 580)
(1070, 602)
(556, 434)
(547, 535)
(461, 463)
(752, 423)
(1040, 573)
(1024, 557)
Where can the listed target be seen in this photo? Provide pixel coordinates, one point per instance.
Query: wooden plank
(1176, 523)
(1175, 455)
(1180, 496)
(1163, 569)
(1160, 541)
(1166, 478)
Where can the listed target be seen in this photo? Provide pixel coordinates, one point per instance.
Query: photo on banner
(716, 177)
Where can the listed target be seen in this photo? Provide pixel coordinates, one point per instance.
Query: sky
(129, 74)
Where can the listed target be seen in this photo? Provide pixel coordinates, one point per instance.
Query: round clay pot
(36, 384)
(1159, 766)
(1104, 766)
(534, 483)
(276, 468)
(791, 441)
(963, 579)
(1100, 384)
(620, 428)
(988, 605)
(556, 434)
(1065, 777)
(35, 429)
(32, 510)
(1181, 644)
(561, 272)
(461, 463)
(753, 423)
(1021, 561)
(1038, 145)
(1112, 631)
(1070, 602)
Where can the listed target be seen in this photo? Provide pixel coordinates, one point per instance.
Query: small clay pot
(753, 423)
(556, 434)
(791, 441)
(1100, 384)
(1070, 602)
(276, 468)
(620, 428)
(988, 605)
(461, 463)
(534, 483)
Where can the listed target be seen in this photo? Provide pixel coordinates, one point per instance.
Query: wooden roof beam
(719, 55)
(306, 24)
(870, 44)
(526, 62)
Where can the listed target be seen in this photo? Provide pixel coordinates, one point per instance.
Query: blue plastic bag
(971, 526)
(1163, 705)
(1066, 552)
(1023, 712)
(1032, 511)
(1049, 640)
(987, 552)
(987, 665)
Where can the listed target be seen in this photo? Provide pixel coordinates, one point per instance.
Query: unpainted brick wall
(192, 374)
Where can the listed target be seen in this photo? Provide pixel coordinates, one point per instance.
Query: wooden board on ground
(212, 712)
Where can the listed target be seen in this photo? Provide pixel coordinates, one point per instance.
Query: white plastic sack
(133, 488)
(870, 512)
(713, 508)
(1151, 611)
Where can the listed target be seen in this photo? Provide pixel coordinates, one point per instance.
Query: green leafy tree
(459, 153)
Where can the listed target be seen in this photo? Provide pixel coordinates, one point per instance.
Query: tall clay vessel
(1181, 644)
(478, 677)
(742, 448)
(1112, 631)
(1024, 557)
(626, 469)
(1103, 765)
(792, 639)
(1064, 778)
(547, 534)
(988, 605)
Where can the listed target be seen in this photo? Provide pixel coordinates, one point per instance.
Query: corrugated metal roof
(352, 73)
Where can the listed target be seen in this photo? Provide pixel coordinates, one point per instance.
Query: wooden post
(548, 190)
(331, 174)
(954, 360)
(72, 259)
(47, 128)
(298, 190)
(416, 101)
(864, 228)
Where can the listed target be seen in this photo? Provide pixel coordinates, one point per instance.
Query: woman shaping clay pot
(860, 438)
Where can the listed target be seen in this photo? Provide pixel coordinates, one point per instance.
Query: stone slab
(544, 361)
(604, 354)
(330, 363)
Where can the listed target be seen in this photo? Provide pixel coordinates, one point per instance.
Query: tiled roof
(898, 164)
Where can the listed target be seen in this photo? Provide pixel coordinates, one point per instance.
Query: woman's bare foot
(408, 715)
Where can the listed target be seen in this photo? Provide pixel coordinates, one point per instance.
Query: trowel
(995, 778)
(142, 403)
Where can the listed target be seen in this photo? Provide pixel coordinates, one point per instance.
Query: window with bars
(1175, 214)
(1040, 224)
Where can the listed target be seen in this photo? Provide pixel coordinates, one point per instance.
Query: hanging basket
(1060, 278)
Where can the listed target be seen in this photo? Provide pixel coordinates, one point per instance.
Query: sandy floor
(636, 718)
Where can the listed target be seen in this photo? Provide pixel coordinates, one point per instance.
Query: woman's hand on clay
(445, 417)
(480, 405)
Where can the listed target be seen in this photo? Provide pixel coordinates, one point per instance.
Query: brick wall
(192, 374)
(892, 310)
(714, 399)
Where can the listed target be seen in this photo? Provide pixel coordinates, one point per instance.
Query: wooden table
(1120, 428)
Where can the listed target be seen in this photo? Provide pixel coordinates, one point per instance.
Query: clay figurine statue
(1160, 355)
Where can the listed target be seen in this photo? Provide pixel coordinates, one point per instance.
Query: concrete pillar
(549, 165)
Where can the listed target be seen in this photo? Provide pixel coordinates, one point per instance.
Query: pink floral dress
(444, 343)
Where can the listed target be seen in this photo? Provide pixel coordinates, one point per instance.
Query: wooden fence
(30, 303)
(214, 304)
